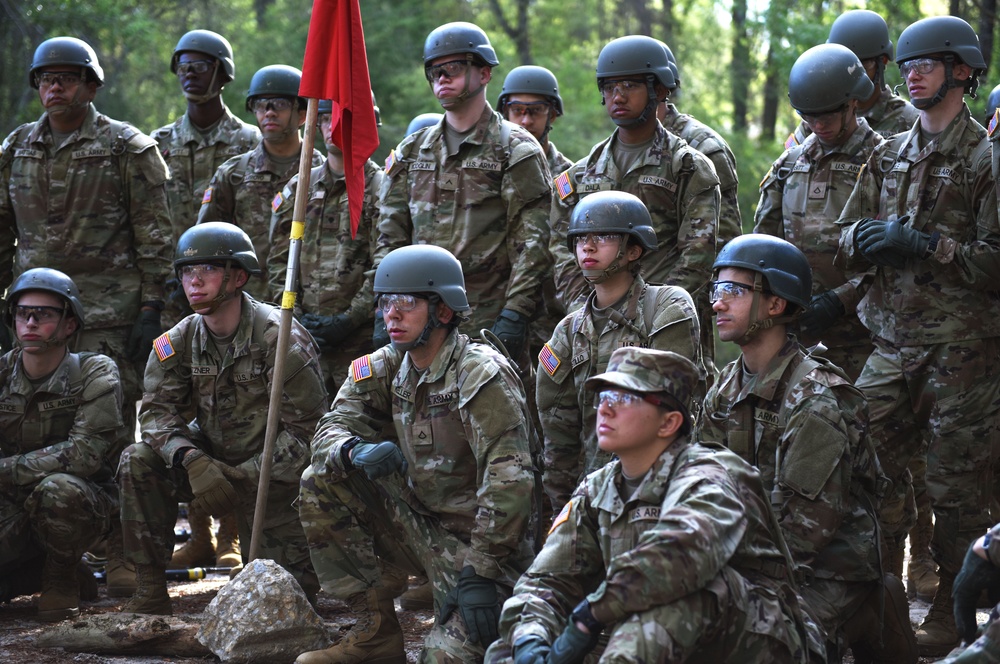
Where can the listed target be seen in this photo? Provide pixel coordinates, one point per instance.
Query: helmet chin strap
(432, 324)
(600, 276)
(53, 341)
(756, 325)
(448, 103)
(649, 110)
(949, 83)
(75, 101)
(212, 92)
(210, 307)
(292, 126)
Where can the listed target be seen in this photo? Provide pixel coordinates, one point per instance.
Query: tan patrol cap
(648, 370)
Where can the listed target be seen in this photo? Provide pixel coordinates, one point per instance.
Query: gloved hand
(140, 340)
(976, 574)
(864, 230)
(572, 646)
(512, 329)
(380, 335)
(209, 484)
(378, 460)
(530, 650)
(477, 601)
(328, 330)
(894, 243)
(823, 311)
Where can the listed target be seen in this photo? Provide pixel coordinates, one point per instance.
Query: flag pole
(285, 328)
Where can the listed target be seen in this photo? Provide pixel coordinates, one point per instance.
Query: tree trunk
(742, 67)
(518, 32)
(769, 116)
(127, 634)
(987, 24)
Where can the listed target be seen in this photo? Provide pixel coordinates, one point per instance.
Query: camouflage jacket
(194, 157)
(488, 204)
(890, 115)
(800, 199)
(700, 514)
(94, 207)
(805, 428)
(577, 351)
(463, 428)
(707, 141)
(681, 190)
(946, 187)
(557, 161)
(194, 397)
(245, 191)
(70, 423)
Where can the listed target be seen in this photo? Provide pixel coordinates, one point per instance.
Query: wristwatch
(582, 614)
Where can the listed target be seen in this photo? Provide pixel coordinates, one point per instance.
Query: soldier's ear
(671, 422)
(242, 277)
(444, 313)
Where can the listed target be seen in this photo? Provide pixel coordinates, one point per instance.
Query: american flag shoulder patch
(277, 201)
(564, 186)
(791, 141)
(390, 161)
(361, 368)
(563, 516)
(549, 360)
(994, 121)
(164, 349)
(207, 198)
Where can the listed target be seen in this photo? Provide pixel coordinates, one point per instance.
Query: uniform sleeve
(149, 214)
(730, 219)
(697, 233)
(8, 223)
(862, 204)
(361, 305)
(219, 200)
(395, 225)
(711, 427)
(167, 405)
(571, 288)
(281, 227)
(769, 217)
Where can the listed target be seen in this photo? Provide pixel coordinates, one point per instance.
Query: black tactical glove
(893, 243)
(975, 576)
(512, 329)
(823, 311)
(478, 602)
(380, 336)
(328, 330)
(531, 650)
(572, 646)
(140, 340)
(378, 460)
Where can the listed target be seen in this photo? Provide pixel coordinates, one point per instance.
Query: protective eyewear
(62, 78)
(276, 104)
(200, 272)
(403, 302)
(449, 69)
(728, 290)
(610, 89)
(616, 399)
(194, 66)
(597, 239)
(821, 118)
(922, 66)
(42, 315)
(534, 109)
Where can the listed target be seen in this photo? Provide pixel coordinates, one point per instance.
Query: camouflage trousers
(949, 396)
(61, 516)
(832, 603)
(113, 342)
(356, 527)
(150, 493)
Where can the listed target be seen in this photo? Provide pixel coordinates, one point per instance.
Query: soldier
(453, 496)
(935, 247)
(61, 431)
(867, 34)
(609, 232)
(334, 292)
(669, 551)
(246, 189)
(799, 420)
(475, 185)
(85, 194)
(677, 184)
(980, 573)
(204, 415)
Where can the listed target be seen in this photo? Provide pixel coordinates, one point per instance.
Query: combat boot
(418, 598)
(921, 575)
(375, 638)
(60, 598)
(199, 550)
(120, 574)
(88, 584)
(880, 631)
(227, 546)
(151, 597)
(937, 635)
(895, 553)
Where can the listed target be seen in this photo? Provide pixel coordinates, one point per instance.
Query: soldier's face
(627, 428)
(39, 317)
(196, 72)
(596, 251)
(627, 102)
(68, 94)
(203, 283)
(732, 316)
(403, 324)
(326, 128)
(278, 118)
(533, 112)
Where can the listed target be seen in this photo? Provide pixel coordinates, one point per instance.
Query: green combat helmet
(423, 121)
(68, 51)
(275, 81)
(825, 78)
(951, 36)
(51, 281)
(531, 80)
(209, 43)
(459, 37)
(636, 55)
(214, 243)
(611, 212)
(867, 35)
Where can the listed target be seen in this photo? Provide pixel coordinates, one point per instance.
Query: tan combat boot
(199, 551)
(375, 638)
(151, 597)
(227, 547)
(120, 574)
(418, 598)
(921, 575)
(60, 598)
(937, 635)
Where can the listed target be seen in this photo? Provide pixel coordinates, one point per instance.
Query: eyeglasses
(610, 89)
(598, 239)
(822, 118)
(42, 315)
(276, 104)
(616, 399)
(922, 66)
(449, 69)
(728, 290)
(534, 109)
(200, 272)
(402, 302)
(324, 118)
(65, 79)
(196, 66)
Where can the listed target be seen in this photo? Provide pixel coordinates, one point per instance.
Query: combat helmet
(864, 32)
(424, 268)
(216, 242)
(459, 37)
(943, 34)
(275, 81)
(211, 44)
(66, 51)
(422, 121)
(48, 280)
(607, 212)
(533, 80)
(826, 77)
(674, 67)
(992, 102)
(634, 55)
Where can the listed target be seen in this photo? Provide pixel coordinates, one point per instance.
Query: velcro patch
(994, 121)
(361, 368)
(564, 186)
(549, 360)
(207, 198)
(164, 349)
(563, 516)
(276, 202)
(646, 513)
(791, 141)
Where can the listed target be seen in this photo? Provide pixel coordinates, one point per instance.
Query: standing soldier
(246, 189)
(204, 415)
(84, 193)
(924, 214)
(475, 185)
(61, 432)
(453, 495)
(334, 292)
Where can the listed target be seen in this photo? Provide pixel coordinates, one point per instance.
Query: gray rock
(262, 615)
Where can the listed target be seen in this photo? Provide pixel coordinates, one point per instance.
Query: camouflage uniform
(890, 115)
(95, 208)
(689, 568)
(197, 398)
(488, 205)
(244, 192)
(806, 412)
(801, 196)
(707, 141)
(465, 499)
(334, 270)
(59, 446)
(578, 351)
(935, 370)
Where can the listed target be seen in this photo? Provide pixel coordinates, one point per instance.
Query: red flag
(336, 68)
